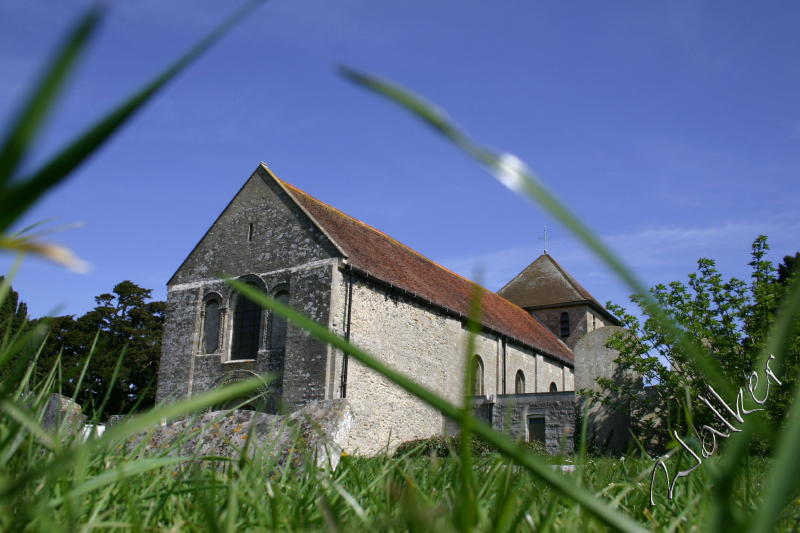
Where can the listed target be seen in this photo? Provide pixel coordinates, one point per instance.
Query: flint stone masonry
(284, 252)
(607, 428)
(510, 413)
(319, 430)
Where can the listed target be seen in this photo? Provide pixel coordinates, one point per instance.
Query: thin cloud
(657, 254)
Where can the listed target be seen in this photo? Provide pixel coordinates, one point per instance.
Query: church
(384, 297)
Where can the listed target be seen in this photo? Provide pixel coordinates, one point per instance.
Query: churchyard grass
(54, 481)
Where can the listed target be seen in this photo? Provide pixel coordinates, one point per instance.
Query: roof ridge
(386, 236)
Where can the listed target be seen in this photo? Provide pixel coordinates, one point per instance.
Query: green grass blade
(516, 176)
(27, 422)
(67, 458)
(467, 504)
(20, 196)
(504, 444)
(780, 334)
(784, 477)
(45, 94)
(118, 474)
(777, 343)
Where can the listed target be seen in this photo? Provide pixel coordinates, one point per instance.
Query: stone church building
(384, 297)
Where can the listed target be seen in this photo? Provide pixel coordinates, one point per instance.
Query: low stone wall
(319, 430)
(521, 416)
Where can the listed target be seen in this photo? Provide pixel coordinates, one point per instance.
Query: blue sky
(672, 128)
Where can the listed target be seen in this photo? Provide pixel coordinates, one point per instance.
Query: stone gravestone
(318, 430)
(63, 414)
(607, 428)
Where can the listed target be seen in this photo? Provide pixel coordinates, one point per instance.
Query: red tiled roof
(388, 260)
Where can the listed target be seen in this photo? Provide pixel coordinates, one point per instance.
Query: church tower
(551, 294)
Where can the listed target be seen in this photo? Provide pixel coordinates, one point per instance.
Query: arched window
(564, 325)
(478, 385)
(277, 334)
(246, 328)
(519, 383)
(211, 326)
(553, 386)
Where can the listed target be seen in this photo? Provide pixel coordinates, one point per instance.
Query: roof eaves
(456, 314)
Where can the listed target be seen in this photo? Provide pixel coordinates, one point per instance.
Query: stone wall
(264, 238)
(549, 371)
(607, 429)
(519, 358)
(510, 413)
(426, 345)
(299, 370)
(582, 320)
(261, 230)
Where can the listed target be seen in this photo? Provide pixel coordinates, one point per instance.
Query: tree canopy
(122, 338)
(658, 383)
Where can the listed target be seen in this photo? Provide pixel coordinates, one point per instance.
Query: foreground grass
(380, 493)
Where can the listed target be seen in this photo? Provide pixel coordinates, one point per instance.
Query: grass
(51, 481)
(110, 490)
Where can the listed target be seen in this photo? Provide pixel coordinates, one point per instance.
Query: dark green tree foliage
(730, 318)
(13, 313)
(125, 329)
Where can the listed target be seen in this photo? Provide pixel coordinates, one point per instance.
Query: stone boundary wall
(510, 413)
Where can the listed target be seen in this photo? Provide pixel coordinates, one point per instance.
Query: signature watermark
(708, 435)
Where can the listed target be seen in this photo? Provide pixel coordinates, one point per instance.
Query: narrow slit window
(250, 232)
(564, 323)
(211, 327)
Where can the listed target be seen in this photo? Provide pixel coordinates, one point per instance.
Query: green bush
(441, 446)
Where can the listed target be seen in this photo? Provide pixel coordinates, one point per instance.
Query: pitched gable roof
(545, 283)
(382, 257)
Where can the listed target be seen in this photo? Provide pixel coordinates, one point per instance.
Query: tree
(730, 319)
(123, 335)
(13, 312)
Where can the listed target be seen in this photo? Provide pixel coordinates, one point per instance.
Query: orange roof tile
(390, 261)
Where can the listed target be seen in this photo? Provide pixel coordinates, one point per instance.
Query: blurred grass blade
(117, 475)
(515, 175)
(778, 344)
(43, 97)
(20, 195)
(67, 458)
(27, 422)
(52, 252)
(467, 504)
(780, 334)
(503, 443)
(784, 477)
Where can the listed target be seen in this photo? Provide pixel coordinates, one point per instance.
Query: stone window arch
(277, 330)
(519, 382)
(553, 386)
(564, 325)
(477, 363)
(246, 327)
(212, 322)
